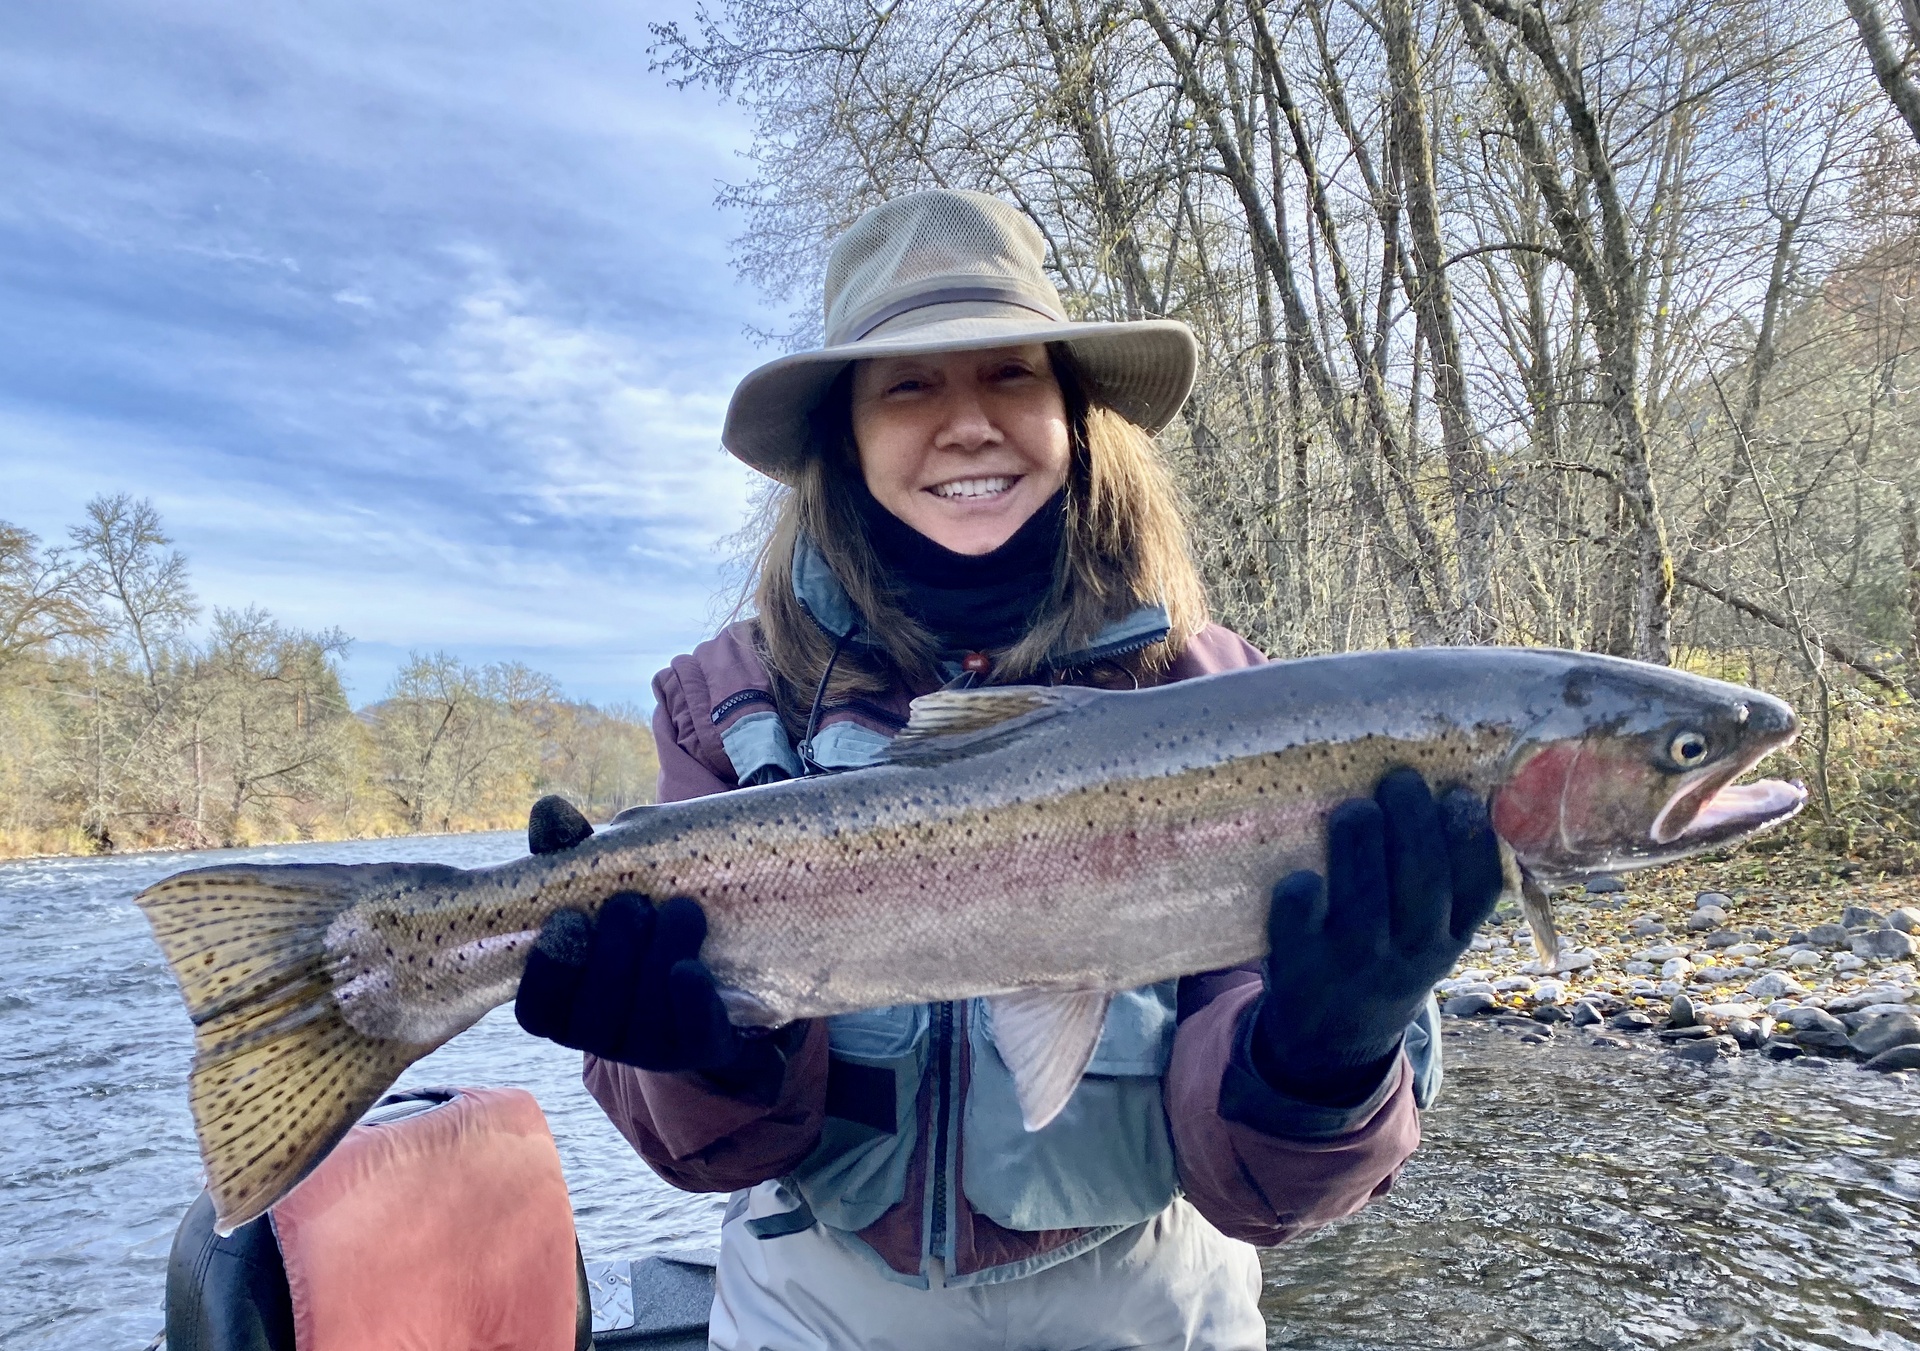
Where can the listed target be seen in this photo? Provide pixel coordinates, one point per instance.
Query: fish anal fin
(948, 723)
(1047, 1038)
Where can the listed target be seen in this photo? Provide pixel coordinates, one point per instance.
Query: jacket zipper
(1124, 647)
(943, 1053)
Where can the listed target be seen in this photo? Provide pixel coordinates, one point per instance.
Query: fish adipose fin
(278, 1075)
(951, 723)
(1047, 1039)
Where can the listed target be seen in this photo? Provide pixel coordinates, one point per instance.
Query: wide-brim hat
(948, 271)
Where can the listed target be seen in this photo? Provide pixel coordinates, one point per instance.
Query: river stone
(1885, 1032)
(1678, 1034)
(1718, 975)
(1745, 1031)
(1680, 1013)
(1723, 938)
(1760, 933)
(1781, 1050)
(1708, 1050)
(1805, 1016)
(1823, 1039)
(1646, 926)
(1899, 1058)
(1612, 1043)
(1813, 1062)
(1829, 936)
(1886, 944)
(1631, 1021)
(1662, 952)
(1804, 958)
(1906, 919)
(1775, 984)
(1710, 918)
(1604, 886)
(1469, 1005)
(1853, 961)
(1859, 917)
(1585, 1014)
(1637, 968)
(1866, 999)
(1718, 900)
(1550, 1013)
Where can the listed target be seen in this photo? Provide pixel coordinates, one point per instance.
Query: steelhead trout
(1043, 847)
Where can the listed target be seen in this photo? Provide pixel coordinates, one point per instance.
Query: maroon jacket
(1299, 1166)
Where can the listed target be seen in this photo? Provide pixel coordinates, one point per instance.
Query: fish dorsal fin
(1046, 1039)
(949, 723)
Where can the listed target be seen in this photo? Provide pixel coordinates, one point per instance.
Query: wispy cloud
(413, 320)
(580, 423)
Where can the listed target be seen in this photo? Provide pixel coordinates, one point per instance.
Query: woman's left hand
(1353, 957)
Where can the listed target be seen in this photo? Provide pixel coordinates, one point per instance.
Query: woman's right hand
(629, 986)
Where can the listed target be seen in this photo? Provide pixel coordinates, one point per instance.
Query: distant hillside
(123, 726)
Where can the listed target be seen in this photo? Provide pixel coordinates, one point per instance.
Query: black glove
(630, 986)
(555, 824)
(1352, 959)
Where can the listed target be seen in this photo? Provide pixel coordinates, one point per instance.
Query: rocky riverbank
(1793, 960)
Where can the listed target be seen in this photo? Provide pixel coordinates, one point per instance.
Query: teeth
(973, 487)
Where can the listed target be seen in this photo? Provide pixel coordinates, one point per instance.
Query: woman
(974, 498)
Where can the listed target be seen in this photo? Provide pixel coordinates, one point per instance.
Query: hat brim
(1142, 369)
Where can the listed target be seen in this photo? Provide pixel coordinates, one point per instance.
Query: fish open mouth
(1713, 808)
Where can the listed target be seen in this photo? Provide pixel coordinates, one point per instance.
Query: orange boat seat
(440, 1223)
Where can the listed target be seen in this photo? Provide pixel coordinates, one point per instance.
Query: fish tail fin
(278, 1074)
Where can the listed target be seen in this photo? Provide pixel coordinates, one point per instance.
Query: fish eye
(1688, 748)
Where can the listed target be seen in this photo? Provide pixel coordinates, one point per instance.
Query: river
(1568, 1197)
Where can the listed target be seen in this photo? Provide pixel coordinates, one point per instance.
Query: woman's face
(962, 446)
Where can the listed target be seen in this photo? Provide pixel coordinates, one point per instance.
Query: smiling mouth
(975, 489)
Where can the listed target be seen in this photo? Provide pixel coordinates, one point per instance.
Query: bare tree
(42, 598)
(1895, 59)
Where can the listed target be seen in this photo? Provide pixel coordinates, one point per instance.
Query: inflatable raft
(441, 1220)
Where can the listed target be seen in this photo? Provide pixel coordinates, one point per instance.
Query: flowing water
(1567, 1197)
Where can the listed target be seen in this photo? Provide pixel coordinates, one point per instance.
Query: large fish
(1041, 846)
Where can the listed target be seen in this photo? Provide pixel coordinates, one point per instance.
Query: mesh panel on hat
(927, 240)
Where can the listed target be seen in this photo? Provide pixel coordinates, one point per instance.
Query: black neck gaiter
(970, 602)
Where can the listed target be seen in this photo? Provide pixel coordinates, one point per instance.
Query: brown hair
(1125, 546)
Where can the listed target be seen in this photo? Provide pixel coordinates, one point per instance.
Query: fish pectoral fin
(950, 723)
(1046, 1039)
(1535, 904)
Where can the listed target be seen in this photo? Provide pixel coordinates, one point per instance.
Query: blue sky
(412, 319)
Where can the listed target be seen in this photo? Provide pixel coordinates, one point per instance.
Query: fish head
(1631, 765)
